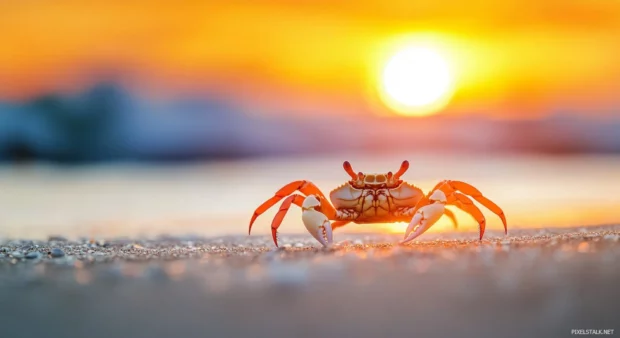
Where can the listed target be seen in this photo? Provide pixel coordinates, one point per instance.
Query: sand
(532, 283)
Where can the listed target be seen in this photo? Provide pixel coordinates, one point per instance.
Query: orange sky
(511, 57)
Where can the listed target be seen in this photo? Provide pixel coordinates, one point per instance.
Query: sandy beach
(542, 282)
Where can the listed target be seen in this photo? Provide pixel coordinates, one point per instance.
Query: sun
(416, 81)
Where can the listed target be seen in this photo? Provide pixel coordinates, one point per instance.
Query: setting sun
(416, 81)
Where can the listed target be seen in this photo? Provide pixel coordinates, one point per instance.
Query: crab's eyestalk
(403, 167)
(347, 167)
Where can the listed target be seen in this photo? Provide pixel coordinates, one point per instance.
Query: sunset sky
(513, 58)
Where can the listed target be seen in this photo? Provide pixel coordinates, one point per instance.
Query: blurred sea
(218, 197)
(108, 123)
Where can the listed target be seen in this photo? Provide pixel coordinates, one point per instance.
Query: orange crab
(376, 198)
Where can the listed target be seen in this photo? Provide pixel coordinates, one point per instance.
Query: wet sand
(532, 283)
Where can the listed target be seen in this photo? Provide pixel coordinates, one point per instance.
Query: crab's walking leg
(466, 204)
(304, 187)
(451, 216)
(477, 195)
(277, 219)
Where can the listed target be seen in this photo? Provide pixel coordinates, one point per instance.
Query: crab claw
(412, 225)
(423, 219)
(316, 222)
(324, 234)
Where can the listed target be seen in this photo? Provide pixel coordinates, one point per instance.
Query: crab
(376, 198)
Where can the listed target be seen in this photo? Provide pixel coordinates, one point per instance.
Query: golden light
(416, 80)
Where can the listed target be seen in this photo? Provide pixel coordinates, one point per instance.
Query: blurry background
(147, 117)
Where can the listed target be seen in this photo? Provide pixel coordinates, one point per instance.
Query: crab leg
(466, 204)
(451, 216)
(422, 202)
(303, 186)
(450, 186)
(279, 217)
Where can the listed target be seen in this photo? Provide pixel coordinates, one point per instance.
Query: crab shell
(375, 197)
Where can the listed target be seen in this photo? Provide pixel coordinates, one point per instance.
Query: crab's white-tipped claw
(420, 229)
(316, 222)
(324, 234)
(318, 236)
(416, 219)
(329, 233)
(426, 217)
(424, 225)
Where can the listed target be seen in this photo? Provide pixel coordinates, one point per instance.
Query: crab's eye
(389, 174)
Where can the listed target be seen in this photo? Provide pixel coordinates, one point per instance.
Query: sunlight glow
(416, 80)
